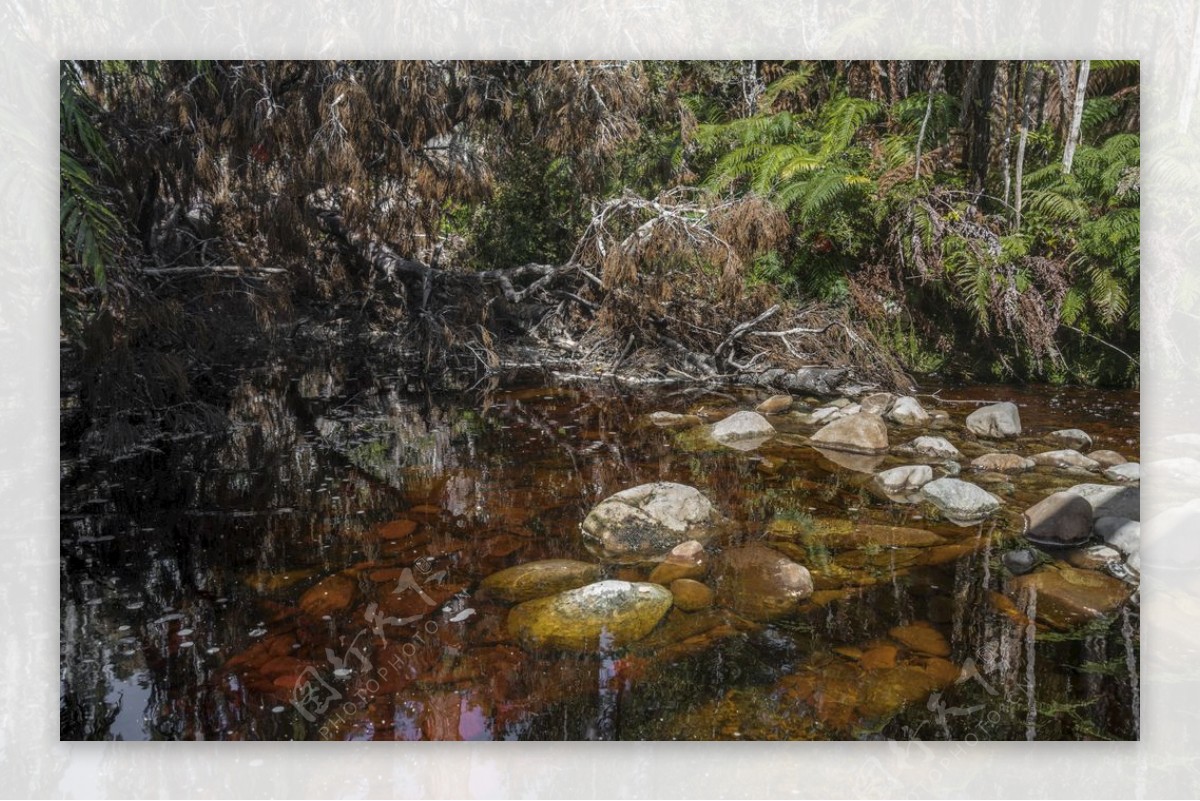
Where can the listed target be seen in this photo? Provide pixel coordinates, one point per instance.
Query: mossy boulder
(539, 579)
(600, 616)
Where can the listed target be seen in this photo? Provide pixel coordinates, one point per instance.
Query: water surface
(182, 571)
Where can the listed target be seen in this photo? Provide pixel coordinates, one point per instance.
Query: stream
(188, 608)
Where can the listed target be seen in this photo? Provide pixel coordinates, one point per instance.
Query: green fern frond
(1057, 206)
(842, 119)
(1106, 294)
(1073, 304)
(794, 81)
(86, 225)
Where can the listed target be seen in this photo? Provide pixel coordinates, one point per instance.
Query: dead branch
(742, 328)
(229, 270)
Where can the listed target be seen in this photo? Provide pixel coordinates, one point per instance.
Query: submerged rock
(396, 529)
(858, 433)
(761, 583)
(1003, 463)
(1020, 561)
(1067, 597)
(691, 595)
(887, 536)
(881, 657)
(776, 404)
(539, 579)
(904, 479)
(960, 501)
(685, 560)
(621, 612)
(329, 595)
(742, 426)
(1060, 519)
(1097, 557)
(1111, 501)
(1072, 438)
(857, 462)
(1127, 473)
(998, 421)
(264, 581)
(933, 447)
(650, 519)
(672, 420)
(907, 411)
(922, 638)
(1065, 458)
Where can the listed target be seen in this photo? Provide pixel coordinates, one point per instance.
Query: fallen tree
(655, 292)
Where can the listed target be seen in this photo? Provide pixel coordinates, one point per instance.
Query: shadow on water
(312, 574)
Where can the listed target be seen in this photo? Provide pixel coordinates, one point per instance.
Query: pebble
(1019, 562)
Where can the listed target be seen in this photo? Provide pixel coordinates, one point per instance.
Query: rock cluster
(668, 539)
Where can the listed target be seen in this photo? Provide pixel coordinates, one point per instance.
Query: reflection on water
(313, 574)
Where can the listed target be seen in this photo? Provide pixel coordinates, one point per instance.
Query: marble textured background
(1165, 34)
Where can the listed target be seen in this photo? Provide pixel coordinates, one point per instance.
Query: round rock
(857, 433)
(1020, 561)
(1060, 519)
(650, 519)
(960, 501)
(600, 616)
(776, 404)
(1003, 463)
(998, 421)
(1106, 458)
(1111, 501)
(1065, 459)
(904, 479)
(907, 411)
(685, 560)
(690, 595)
(922, 638)
(1072, 438)
(539, 579)
(761, 583)
(1127, 473)
(933, 447)
(742, 426)
(1122, 534)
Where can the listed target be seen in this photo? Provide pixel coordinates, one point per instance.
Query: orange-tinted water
(188, 608)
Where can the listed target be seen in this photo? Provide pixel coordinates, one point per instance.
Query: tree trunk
(1028, 81)
(1076, 116)
(977, 109)
(933, 85)
(1012, 90)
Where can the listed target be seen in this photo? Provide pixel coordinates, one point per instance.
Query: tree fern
(1106, 294)
(842, 119)
(794, 81)
(87, 227)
